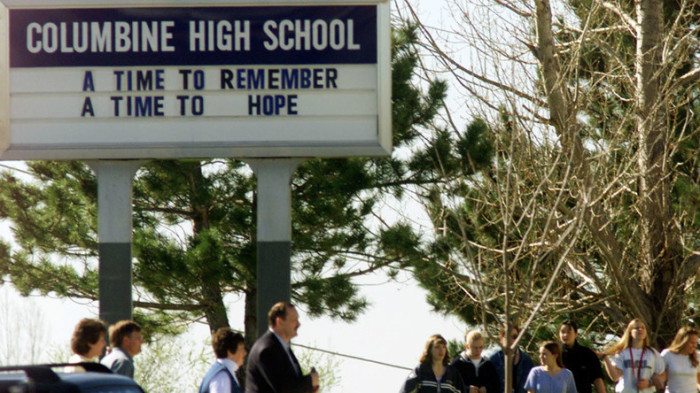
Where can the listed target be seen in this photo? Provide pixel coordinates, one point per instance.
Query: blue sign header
(190, 36)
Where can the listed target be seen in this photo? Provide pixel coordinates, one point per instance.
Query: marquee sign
(89, 81)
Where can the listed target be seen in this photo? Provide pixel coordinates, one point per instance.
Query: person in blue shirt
(551, 376)
(522, 363)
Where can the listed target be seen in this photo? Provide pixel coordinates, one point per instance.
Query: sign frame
(312, 146)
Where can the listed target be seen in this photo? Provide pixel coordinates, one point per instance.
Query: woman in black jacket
(434, 374)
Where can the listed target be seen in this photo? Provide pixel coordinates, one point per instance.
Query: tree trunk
(563, 120)
(508, 370)
(250, 318)
(660, 242)
(212, 293)
(215, 310)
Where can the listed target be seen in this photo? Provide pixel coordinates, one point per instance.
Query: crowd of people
(565, 365)
(272, 366)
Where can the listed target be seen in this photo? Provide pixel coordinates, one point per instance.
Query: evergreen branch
(374, 266)
(168, 306)
(166, 210)
(406, 183)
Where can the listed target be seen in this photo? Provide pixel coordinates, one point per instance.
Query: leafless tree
(23, 330)
(593, 193)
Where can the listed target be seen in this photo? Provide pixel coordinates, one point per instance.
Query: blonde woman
(635, 366)
(434, 374)
(682, 364)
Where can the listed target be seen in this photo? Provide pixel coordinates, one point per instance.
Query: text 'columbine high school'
(203, 36)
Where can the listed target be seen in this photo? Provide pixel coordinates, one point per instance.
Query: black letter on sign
(88, 83)
(87, 108)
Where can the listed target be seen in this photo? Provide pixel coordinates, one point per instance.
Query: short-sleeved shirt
(584, 364)
(651, 363)
(682, 376)
(542, 382)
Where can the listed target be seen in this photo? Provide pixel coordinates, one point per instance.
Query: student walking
(682, 362)
(635, 366)
(551, 376)
(434, 374)
(582, 361)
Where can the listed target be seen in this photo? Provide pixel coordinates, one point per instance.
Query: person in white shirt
(682, 362)
(230, 351)
(636, 366)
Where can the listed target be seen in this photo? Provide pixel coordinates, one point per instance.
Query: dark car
(50, 378)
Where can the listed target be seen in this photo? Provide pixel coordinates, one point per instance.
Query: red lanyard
(639, 369)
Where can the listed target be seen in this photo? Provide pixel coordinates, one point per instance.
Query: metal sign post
(274, 233)
(114, 185)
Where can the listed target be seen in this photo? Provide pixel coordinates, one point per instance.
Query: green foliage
(411, 108)
(454, 347)
(456, 160)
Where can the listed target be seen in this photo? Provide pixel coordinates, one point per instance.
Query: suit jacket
(270, 371)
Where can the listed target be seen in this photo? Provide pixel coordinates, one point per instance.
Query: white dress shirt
(221, 383)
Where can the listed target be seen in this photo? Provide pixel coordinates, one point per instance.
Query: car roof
(42, 378)
(94, 379)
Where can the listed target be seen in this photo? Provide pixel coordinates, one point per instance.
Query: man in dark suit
(272, 366)
(229, 348)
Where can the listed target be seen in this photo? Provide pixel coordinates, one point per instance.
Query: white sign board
(86, 80)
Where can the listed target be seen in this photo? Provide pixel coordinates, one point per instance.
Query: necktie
(295, 362)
